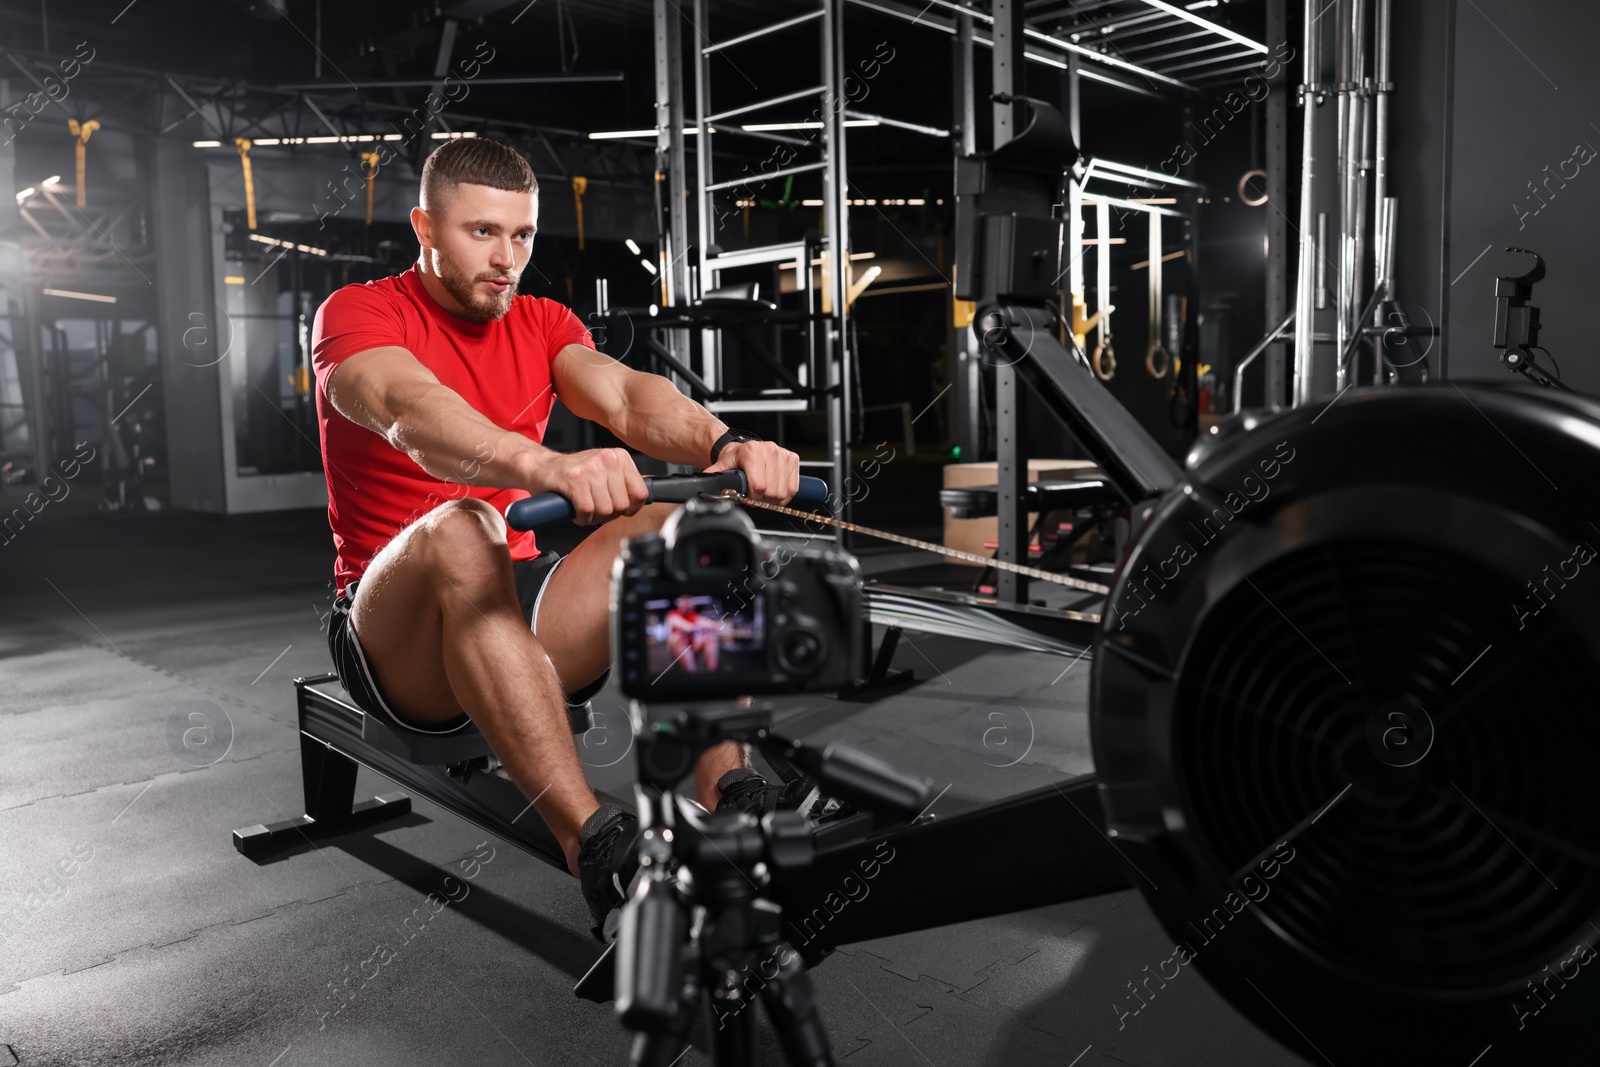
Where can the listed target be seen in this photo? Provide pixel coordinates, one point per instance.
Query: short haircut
(475, 161)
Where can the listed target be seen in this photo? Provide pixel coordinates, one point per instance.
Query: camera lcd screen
(704, 635)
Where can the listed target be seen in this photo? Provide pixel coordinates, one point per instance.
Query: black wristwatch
(727, 439)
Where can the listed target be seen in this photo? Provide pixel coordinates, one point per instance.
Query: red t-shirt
(501, 368)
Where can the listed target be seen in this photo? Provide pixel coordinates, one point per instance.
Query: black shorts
(350, 662)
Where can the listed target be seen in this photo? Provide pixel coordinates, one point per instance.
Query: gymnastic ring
(1244, 179)
(1105, 362)
(1150, 361)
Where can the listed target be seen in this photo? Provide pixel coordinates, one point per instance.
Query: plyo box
(969, 535)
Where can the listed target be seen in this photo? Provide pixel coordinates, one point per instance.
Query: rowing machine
(337, 737)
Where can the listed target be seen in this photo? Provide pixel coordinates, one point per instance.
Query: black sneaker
(746, 790)
(608, 858)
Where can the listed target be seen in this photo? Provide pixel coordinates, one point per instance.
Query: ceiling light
(649, 266)
(452, 136)
(617, 135)
(52, 180)
(773, 127)
(348, 138)
(288, 244)
(96, 297)
(631, 246)
(29, 191)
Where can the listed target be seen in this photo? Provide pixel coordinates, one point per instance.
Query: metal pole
(1360, 162)
(669, 142)
(31, 349)
(1385, 282)
(1238, 371)
(1010, 407)
(709, 342)
(1277, 188)
(1076, 284)
(1102, 272)
(1382, 269)
(836, 191)
(673, 241)
(969, 388)
(1306, 282)
(966, 117)
(1343, 153)
(1008, 67)
(1011, 469)
(1321, 247)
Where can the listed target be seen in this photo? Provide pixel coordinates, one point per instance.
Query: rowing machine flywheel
(1344, 721)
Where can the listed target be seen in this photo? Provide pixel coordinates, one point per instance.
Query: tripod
(698, 926)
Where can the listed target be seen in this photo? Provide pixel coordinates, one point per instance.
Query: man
(433, 391)
(692, 638)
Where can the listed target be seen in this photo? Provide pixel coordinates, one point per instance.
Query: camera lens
(800, 651)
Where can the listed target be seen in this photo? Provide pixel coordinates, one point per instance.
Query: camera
(708, 609)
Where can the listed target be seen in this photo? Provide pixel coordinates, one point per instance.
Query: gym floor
(167, 946)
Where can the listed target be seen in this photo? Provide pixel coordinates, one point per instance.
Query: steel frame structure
(689, 204)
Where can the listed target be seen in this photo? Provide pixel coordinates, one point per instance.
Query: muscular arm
(649, 414)
(390, 393)
(645, 411)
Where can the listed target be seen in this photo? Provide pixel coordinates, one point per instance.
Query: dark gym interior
(1236, 676)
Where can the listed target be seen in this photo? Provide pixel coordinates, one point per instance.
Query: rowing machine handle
(545, 508)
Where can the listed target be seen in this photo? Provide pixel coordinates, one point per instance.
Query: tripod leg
(657, 1050)
(666, 1047)
(730, 1025)
(792, 1007)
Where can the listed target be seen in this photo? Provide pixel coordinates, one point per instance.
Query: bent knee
(463, 540)
(462, 525)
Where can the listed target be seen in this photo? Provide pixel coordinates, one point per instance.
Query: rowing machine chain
(929, 546)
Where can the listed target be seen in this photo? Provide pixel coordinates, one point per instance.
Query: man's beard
(475, 306)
